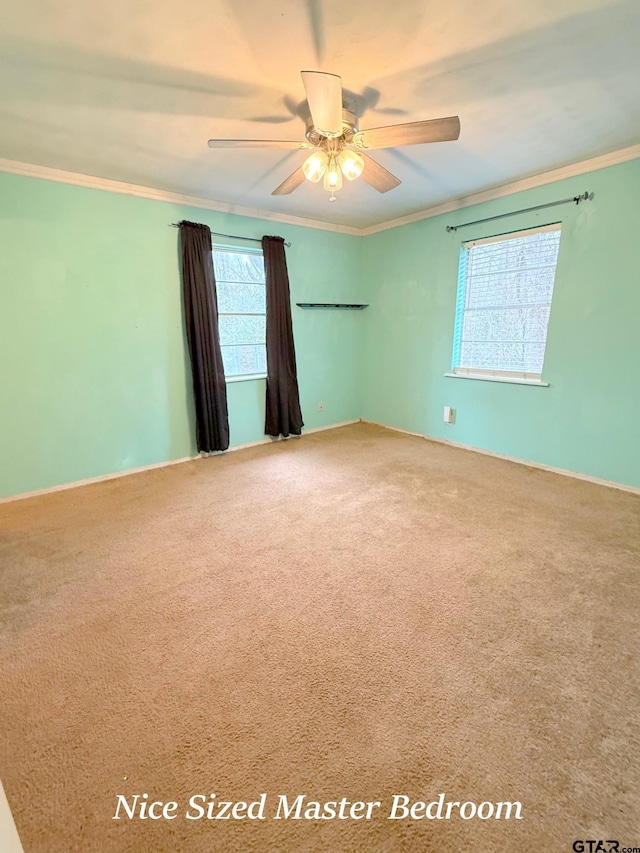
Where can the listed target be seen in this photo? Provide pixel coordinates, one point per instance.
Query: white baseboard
(273, 439)
(101, 478)
(563, 471)
(332, 426)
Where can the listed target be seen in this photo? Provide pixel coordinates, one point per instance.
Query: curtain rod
(230, 236)
(576, 199)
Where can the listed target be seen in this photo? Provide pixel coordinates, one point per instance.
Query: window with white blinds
(241, 290)
(505, 287)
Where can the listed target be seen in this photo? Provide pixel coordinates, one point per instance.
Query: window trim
(503, 376)
(513, 235)
(513, 377)
(243, 250)
(245, 377)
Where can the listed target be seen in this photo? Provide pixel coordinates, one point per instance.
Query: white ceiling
(132, 90)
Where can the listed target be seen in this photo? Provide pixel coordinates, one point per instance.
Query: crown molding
(573, 170)
(47, 173)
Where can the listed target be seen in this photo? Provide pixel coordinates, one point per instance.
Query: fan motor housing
(349, 129)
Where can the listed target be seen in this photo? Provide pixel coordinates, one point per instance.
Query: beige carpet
(353, 614)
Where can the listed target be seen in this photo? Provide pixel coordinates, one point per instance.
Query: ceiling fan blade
(379, 177)
(291, 183)
(411, 133)
(256, 143)
(324, 96)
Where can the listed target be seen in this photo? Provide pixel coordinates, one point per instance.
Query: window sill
(245, 378)
(510, 380)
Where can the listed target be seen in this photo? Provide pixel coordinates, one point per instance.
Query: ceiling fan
(339, 144)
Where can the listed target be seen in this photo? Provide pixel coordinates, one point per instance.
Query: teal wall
(94, 373)
(588, 419)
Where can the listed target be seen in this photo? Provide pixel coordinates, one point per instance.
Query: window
(241, 311)
(505, 285)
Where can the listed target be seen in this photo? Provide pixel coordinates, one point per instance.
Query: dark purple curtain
(201, 316)
(283, 415)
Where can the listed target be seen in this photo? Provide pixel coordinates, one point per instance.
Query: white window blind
(505, 287)
(240, 285)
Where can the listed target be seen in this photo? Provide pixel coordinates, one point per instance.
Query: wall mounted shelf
(352, 306)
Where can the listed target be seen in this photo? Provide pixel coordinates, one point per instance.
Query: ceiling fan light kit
(351, 163)
(332, 166)
(332, 177)
(340, 144)
(315, 166)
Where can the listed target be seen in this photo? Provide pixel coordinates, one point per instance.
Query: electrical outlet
(449, 415)
(321, 407)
